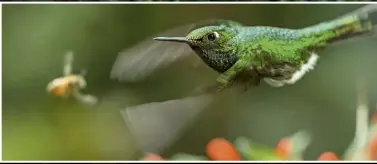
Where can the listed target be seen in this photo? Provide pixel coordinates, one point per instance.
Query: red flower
(153, 157)
(219, 149)
(328, 156)
(284, 148)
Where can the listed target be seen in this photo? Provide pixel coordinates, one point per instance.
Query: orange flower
(328, 156)
(284, 148)
(373, 149)
(219, 149)
(153, 157)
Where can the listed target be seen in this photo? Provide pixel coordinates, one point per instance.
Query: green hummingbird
(248, 54)
(279, 56)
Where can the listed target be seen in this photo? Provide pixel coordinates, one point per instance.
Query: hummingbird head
(216, 45)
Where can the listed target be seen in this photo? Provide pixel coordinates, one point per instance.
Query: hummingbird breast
(219, 61)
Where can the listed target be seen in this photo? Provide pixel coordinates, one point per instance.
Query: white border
(112, 2)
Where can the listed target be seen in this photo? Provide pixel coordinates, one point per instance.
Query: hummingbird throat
(218, 61)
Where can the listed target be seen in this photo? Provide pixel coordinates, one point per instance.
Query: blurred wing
(86, 98)
(140, 61)
(157, 125)
(68, 60)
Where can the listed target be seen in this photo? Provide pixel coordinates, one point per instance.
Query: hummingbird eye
(213, 36)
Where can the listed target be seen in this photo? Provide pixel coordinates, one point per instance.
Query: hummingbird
(239, 53)
(279, 56)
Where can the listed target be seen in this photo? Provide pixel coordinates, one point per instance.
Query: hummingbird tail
(356, 23)
(157, 125)
(350, 27)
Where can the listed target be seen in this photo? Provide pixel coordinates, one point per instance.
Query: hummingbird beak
(173, 39)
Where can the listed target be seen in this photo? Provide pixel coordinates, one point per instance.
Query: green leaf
(254, 151)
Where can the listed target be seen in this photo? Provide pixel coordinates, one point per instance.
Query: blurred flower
(328, 156)
(363, 146)
(284, 148)
(153, 157)
(372, 149)
(220, 149)
(254, 151)
(187, 157)
(293, 147)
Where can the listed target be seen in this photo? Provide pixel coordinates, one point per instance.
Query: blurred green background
(38, 126)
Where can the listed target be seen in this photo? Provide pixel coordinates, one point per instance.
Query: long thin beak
(172, 39)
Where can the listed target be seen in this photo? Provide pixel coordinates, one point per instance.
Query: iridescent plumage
(278, 55)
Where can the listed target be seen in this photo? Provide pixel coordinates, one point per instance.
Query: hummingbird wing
(138, 62)
(157, 125)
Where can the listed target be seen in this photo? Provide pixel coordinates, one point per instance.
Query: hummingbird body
(261, 47)
(278, 55)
